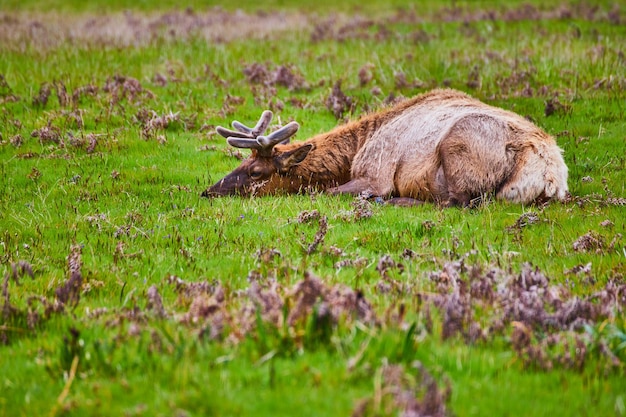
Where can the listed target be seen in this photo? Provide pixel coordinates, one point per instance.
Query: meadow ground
(125, 293)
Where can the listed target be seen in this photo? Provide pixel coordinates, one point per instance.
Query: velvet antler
(252, 138)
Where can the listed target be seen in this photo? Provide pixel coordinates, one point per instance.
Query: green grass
(133, 205)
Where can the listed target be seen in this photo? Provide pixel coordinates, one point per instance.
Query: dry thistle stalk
(155, 303)
(69, 292)
(319, 236)
(338, 103)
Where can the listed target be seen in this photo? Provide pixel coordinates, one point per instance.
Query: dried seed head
(338, 103)
(591, 241)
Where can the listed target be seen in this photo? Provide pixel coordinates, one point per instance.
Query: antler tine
(244, 143)
(264, 122)
(282, 134)
(227, 133)
(242, 128)
(245, 132)
(259, 128)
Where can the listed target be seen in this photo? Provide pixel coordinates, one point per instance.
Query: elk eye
(255, 174)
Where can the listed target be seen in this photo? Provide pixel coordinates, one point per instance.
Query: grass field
(126, 293)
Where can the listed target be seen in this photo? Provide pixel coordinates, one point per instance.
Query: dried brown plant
(155, 302)
(338, 103)
(69, 292)
(589, 242)
(319, 235)
(405, 392)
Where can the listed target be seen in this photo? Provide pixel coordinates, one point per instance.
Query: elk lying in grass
(442, 146)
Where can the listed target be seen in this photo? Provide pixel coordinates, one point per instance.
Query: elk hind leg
(473, 159)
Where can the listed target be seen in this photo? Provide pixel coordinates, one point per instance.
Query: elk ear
(294, 157)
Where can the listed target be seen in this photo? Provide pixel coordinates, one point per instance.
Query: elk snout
(225, 186)
(235, 183)
(209, 193)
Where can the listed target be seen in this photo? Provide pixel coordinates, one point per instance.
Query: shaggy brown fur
(441, 146)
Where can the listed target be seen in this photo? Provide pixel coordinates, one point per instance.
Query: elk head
(269, 168)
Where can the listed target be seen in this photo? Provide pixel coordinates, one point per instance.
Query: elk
(441, 146)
